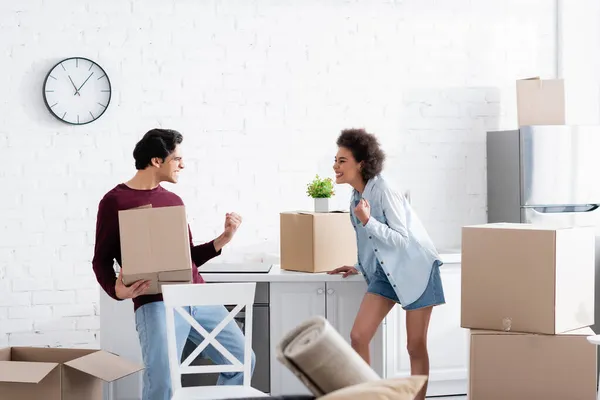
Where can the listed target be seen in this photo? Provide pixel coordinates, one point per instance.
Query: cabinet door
(447, 341)
(290, 305)
(343, 303)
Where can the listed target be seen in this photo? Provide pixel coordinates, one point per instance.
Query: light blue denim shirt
(395, 237)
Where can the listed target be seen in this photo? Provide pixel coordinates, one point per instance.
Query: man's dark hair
(365, 148)
(155, 143)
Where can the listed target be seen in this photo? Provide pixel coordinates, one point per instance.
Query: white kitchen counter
(276, 274)
(296, 296)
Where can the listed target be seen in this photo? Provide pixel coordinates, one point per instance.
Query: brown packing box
(540, 101)
(31, 373)
(527, 278)
(519, 366)
(316, 242)
(155, 245)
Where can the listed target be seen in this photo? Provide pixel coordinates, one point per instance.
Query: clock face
(77, 91)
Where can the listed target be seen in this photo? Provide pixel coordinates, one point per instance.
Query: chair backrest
(176, 297)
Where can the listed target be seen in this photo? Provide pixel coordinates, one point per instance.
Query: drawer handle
(320, 291)
(330, 291)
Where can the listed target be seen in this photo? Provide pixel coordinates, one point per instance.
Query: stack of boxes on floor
(528, 293)
(528, 300)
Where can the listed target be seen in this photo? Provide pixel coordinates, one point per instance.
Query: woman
(395, 254)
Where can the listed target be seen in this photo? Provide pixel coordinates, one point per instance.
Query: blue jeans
(151, 325)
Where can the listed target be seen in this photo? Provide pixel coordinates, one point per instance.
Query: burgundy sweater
(108, 248)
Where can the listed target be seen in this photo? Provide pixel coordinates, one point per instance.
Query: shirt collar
(368, 188)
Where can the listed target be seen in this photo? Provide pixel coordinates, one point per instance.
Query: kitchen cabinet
(293, 303)
(447, 342)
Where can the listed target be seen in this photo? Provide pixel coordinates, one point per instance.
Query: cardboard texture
(526, 278)
(30, 373)
(541, 102)
(316, 242)
(155, 246)
(519, 366)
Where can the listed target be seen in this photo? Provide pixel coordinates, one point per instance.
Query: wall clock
(77, 91)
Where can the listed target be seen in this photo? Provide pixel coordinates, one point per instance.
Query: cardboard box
(520, 366)
(155, 245)
(527, 278)
(316, 242)
(541, 102)
(32, 373)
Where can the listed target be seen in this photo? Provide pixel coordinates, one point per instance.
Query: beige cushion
(384, 389)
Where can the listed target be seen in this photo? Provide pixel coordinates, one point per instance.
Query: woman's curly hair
(365, 148)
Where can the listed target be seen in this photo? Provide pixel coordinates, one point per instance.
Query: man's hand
(346, 270)
(136, 289)
(232, 223)
(363, 211)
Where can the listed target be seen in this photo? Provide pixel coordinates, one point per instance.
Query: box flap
(315, 214)
(104, 365)
(577, 332)
(5, 354)
(481, 332)
(184, 275)
(47, 354)
(24, 372)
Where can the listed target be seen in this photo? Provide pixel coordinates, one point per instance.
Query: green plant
(320, 188)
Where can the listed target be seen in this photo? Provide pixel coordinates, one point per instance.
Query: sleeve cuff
(370, 224)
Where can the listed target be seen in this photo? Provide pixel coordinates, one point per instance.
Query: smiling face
(168, 170)
(346, 169)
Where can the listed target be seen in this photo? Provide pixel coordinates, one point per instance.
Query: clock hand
(85, 82)
(75, 87)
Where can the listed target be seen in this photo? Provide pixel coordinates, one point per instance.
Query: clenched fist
(232, 223)
(363, 211)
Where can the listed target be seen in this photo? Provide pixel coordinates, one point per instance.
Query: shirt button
(375, 249)
(388, 274)
(369, 237)
(394, 285)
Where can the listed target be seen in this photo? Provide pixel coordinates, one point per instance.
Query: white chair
(175, 298)
(595, 339)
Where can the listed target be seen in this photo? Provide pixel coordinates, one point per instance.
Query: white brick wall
(260, 90)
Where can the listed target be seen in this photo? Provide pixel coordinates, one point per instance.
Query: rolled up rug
(320, 357)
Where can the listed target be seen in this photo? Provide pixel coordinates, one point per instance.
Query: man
(158, 159)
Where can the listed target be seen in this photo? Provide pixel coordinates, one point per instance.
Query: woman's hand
(363, 211)
(346, 270)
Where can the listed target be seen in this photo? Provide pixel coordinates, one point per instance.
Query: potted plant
(321, 189)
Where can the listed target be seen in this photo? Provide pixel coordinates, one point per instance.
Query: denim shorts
(432, 296)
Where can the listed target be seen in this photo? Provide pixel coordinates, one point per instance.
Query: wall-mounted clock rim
(46, 81)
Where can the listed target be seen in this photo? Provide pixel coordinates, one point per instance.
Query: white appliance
(546, 175)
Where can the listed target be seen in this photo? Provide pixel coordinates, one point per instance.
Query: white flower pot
(321, 205)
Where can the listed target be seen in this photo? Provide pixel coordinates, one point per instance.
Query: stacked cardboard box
(541, 102)
(527, 297)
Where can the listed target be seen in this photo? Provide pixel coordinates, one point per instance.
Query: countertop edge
(278, 275)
